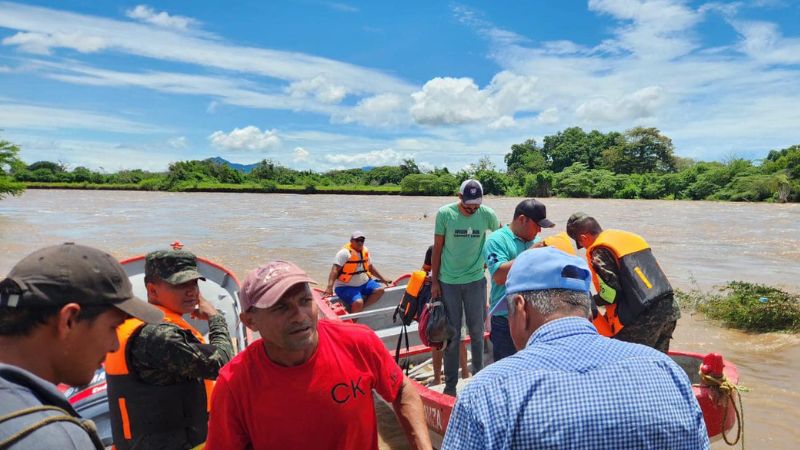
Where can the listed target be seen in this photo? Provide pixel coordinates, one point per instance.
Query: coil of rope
(728, 388)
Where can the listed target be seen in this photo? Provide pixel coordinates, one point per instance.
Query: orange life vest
(137, 408)
(350, 268)
(560, 241)
(642, 282)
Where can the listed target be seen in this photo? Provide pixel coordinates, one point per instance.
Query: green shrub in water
(747, 306)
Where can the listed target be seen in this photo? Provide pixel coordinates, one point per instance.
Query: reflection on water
(705, 242)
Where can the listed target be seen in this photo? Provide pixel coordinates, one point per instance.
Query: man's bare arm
(335, 270)
(436, 261)
(408, 407)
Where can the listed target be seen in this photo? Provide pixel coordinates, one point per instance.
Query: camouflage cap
(173, 266)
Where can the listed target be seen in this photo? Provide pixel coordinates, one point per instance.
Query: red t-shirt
(324, 403)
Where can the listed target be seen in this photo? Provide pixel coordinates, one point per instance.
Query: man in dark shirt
(164, 372)
(59, 310)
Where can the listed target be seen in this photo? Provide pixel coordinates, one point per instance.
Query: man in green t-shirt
(457, 272)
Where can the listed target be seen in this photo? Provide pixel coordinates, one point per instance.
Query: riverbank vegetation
(636, 164)
(746, 306)
(9, 163)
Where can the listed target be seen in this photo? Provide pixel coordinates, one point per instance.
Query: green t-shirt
(462, 255)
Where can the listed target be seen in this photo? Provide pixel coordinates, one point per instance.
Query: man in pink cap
(305, 383)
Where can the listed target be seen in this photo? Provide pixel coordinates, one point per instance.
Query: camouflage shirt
(166, 354)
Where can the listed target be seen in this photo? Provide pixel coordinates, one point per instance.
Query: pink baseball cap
(264, 286)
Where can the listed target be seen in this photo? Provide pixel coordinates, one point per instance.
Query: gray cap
(357, 235)
(70, 273)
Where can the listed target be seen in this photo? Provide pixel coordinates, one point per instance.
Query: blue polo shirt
(502, 246)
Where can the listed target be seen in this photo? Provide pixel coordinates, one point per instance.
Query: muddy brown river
(698, 244)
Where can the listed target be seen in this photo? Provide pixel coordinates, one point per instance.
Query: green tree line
(636, 164)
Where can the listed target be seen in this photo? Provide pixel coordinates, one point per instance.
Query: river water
(699, 244)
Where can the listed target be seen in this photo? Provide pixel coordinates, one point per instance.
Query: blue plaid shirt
(571, 388)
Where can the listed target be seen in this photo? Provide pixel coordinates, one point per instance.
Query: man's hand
(204, 309)
(328, 292)
(387, 282)
(436, 290)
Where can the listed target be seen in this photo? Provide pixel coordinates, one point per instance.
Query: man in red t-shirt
(305, 384)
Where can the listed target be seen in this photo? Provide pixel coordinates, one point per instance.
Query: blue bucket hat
(544, 268)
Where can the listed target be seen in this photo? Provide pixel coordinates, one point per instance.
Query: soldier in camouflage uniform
(163, 372)
(639, 300)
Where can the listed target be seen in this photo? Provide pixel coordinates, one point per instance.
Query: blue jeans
(469, 299)
(502, 344)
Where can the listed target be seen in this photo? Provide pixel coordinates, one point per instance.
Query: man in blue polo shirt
(567, 386)
(499, 252)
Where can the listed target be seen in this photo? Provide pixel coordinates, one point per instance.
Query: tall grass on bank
(746, 306)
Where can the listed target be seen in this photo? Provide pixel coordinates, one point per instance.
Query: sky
(327, 84)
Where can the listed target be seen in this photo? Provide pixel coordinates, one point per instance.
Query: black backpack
(410, 307)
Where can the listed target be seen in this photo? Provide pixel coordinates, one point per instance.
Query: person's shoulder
(495, 375)
(19, 390)
(240, 363)
(449, 208)
(17, 386)
(487, 211)
(18, 381)
(641, 350)
(499, 235)
(346, 332)
(158, 331)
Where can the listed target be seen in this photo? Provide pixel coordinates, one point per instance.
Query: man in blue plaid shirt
(569, 387)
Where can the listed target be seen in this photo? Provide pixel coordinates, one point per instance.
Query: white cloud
(317, 87)
(178, 142)
(449, 101)
(146, 14)
(212, 107)
(548, 116)
(657, 29)
(641, 104)
(166, 44)
(108, 156)
(39, 117)
(764, 42)
(5, 69)
(374, 158)
(227, 90)
(247, 138)
(301, 154)
(503, 122)
(380, 110)
(42, 43)
(459, 100)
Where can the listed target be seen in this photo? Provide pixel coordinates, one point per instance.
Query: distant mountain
(245, 168)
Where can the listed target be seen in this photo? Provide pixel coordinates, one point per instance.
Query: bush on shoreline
(746, 306)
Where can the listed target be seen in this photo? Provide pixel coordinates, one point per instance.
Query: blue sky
(321, 85)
